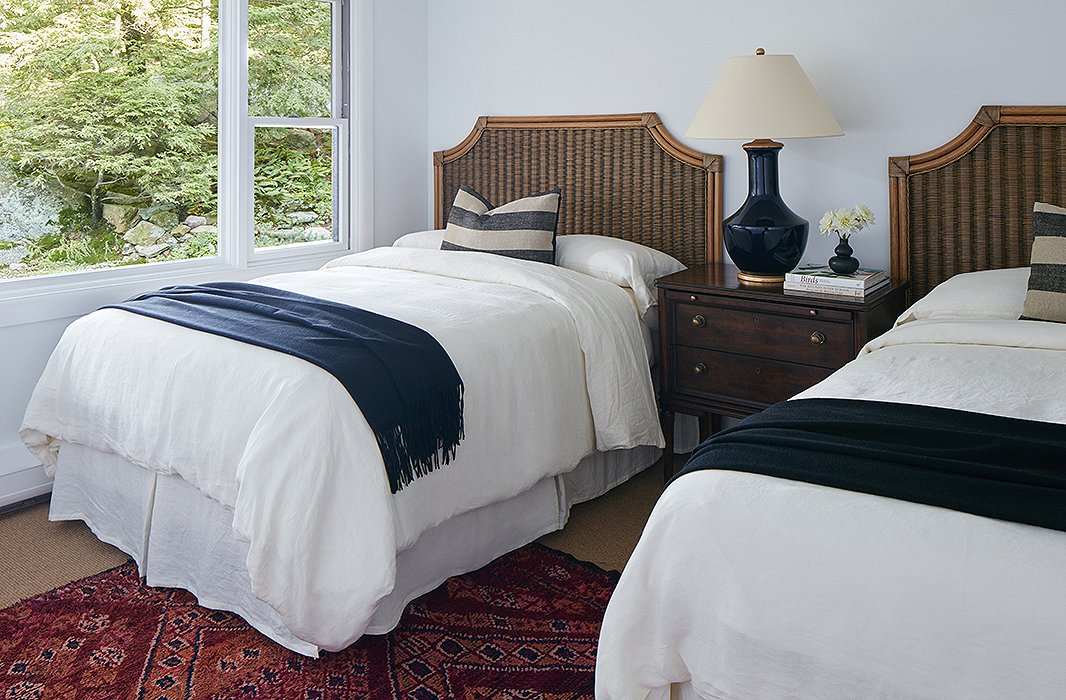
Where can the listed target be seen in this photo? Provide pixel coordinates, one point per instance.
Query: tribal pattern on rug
(525, 626)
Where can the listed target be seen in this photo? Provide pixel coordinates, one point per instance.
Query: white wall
(392, 78)
(401, 157)
(24, 349)
(901, 76)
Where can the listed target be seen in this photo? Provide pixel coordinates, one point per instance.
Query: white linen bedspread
(554, 368)
(745, 586)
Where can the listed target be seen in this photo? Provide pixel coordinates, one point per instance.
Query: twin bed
(750, 586)
(252, 479)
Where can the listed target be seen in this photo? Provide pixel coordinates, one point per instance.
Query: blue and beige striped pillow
(1046, 298)
(524, 228)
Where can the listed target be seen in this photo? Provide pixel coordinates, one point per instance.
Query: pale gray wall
(401, 156)
(901, 76)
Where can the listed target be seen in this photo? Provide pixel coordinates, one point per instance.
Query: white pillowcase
(625, 263)
(420, 239)
(988, 294)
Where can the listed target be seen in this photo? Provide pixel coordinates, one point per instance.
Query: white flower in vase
(844, 223)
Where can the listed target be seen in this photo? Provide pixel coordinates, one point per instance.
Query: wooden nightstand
(728, 348)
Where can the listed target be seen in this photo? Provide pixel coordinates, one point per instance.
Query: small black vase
(842, 263)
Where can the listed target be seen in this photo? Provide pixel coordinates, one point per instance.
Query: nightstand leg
(710, 423)
(668, 451)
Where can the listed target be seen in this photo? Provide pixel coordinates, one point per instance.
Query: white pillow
(625, 263)
(420, 239)
(988, 294)
(650, 316)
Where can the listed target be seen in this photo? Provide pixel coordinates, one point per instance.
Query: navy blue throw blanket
(997, 467)
(401, 378)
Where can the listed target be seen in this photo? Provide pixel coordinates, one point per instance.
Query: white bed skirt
(182, 539)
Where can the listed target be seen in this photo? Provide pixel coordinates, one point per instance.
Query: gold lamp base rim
(753, 278)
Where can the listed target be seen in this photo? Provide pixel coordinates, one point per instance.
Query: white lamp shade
(763, 97)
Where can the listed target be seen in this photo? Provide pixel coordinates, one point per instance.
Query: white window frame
(338, 122)
(69, 294)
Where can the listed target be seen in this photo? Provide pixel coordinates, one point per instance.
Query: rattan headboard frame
(621, 175)
(967, 205)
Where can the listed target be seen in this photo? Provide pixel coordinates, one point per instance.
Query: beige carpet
(605, 530)
(37, 555)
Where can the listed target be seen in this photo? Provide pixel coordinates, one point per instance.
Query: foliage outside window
(109, 138)
(293, 185)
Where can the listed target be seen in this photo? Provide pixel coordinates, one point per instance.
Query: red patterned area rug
(525, 626)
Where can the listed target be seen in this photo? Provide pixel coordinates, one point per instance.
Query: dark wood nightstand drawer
(753, 344)
(764, 334)
(724, 374)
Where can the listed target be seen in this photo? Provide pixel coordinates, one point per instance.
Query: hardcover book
(827, 291)
(820, 275)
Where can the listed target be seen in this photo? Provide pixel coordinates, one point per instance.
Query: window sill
(35, 300)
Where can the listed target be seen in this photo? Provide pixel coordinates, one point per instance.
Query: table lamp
(763, 97)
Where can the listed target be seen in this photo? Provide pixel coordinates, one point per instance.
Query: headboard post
(899, 222)
(622, 175)
(967, 205)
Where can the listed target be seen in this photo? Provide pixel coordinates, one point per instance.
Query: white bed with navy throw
(751, 586)
(746, 585)
(554, 367)
(251, 478)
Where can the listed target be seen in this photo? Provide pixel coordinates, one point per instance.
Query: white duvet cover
(745, 586)
(554, 368)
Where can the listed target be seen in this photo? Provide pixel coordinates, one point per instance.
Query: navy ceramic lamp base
(764, 237)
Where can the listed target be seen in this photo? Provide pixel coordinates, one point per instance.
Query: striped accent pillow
(1046, 298)
(524, 228)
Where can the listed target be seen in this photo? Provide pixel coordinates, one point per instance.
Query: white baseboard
(24, 484)
(21, 475)
(14, 458)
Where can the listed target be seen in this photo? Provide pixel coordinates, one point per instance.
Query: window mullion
(296, 122)
(337, 102)
(247, 146)
(234, 145)
(341, 191)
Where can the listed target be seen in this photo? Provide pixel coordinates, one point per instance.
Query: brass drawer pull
(699, 321)
(817, 338)
(699, 369)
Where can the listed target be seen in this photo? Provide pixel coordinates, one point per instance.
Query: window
(115, 124)
(297, 109)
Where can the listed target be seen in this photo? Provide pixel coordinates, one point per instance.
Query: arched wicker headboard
(968, 205)
(621, 175)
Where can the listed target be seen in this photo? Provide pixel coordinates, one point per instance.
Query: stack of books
(820, 281)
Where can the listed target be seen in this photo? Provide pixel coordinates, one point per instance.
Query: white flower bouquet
(845, 222)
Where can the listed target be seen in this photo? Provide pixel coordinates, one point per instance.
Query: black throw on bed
(1003, 468)
(399, 375)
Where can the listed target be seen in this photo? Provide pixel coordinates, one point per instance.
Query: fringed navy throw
(1005, 468)
(401, 378)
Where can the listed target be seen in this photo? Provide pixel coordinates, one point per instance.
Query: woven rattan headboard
(968, 205)
(621, 175)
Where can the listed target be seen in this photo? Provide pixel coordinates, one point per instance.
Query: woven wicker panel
(615, 182)
(976, 213)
